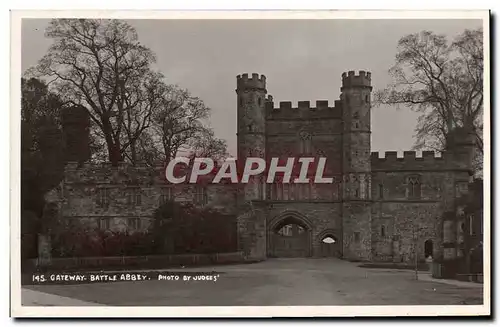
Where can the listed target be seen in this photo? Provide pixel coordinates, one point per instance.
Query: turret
(255, 82)
(351, 80)
(251, 97)
(356, 164)
(355, 97)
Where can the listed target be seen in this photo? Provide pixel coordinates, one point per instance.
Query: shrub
(96, 243)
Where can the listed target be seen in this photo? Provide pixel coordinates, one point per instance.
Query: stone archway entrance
(330, 247)
(329, 244)
(290, 237)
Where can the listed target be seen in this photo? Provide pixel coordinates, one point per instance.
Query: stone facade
(125, 197)
(378, 209)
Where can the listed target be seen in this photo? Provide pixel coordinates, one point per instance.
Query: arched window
(382, 231)
(260, 101)
(329, 240)
(367, 98)
(414, 187)
(305, 142)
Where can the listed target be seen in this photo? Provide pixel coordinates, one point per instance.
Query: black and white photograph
(250, 164)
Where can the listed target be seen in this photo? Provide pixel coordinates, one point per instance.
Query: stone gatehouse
(378, 208)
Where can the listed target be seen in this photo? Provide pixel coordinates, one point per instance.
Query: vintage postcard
(250, 164)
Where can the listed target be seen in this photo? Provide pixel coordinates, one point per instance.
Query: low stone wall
(144, 262)
(475, 278)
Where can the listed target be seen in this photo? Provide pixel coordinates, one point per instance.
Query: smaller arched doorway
(330, 245)
(290, 238)
(428, 248)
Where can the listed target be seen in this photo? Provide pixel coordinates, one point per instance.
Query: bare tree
(207, 145)
(442, 81)
(101, 65)
(143, 98)
(176, 125)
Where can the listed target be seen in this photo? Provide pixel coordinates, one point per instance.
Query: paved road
(279, 282)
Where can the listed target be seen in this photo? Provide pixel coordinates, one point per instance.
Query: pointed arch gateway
(289, 236)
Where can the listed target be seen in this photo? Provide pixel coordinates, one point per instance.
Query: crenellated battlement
(350, 79)
(428, 160)
(303, 109)
(255, 82)
(407, 155)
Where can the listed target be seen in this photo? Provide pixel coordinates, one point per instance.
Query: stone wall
(356, 229)
(397, 227)
(121, 194)
(288, 138)
(399, 221)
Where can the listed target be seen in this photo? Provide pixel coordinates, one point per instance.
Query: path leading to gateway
(274, 282)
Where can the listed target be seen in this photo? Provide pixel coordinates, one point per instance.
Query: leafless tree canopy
(441, 80)
(101, 65)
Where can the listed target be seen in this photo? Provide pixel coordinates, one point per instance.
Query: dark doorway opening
(428, 248)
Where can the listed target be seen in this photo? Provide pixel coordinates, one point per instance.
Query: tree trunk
(114, 152)
(133, 152)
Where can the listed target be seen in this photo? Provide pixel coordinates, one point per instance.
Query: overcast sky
(302, 60)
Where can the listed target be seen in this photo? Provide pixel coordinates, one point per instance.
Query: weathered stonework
(378, 209)
(116, 196)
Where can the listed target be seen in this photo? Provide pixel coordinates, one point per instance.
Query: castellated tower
(251, 93)
(356, 165)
